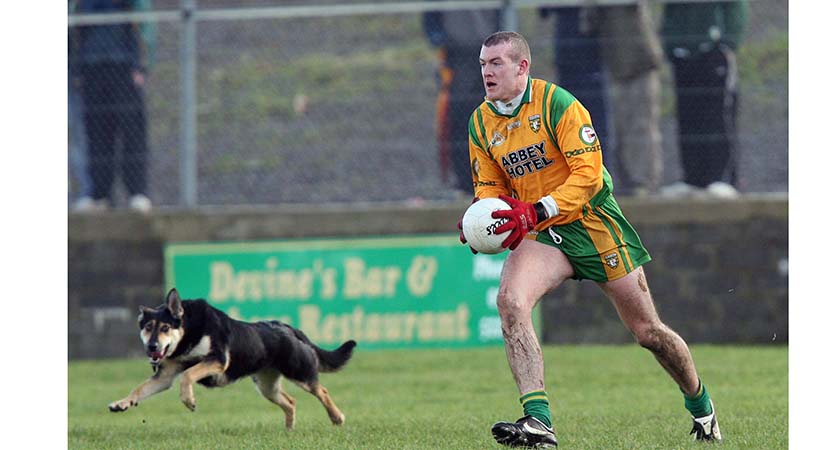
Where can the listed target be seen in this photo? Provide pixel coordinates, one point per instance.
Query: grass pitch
(602, 397)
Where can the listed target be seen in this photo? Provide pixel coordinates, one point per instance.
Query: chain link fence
(338, 108)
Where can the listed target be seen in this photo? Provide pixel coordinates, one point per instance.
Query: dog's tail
(328, 361)
(331, 361)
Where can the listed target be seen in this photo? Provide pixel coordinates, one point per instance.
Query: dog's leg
(320, 392)
(269, 385)
(195, 373)
(160, 381)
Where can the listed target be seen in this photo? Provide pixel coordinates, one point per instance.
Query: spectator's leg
(443, 129)
(77, 145)
(577, 60)
(636, 108)
(101, 127)
(692, 119)
(730, 114)
(715, 134)
(467, 91)
(705, 105)
(135, 148)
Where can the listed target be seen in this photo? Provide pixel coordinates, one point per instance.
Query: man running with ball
(533, 145)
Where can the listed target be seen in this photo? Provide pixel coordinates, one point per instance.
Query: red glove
(461, 229)
(522, 218)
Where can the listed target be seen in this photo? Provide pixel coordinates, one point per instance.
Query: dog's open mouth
(156, 357)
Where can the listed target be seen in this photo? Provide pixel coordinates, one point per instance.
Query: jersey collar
(525, 98)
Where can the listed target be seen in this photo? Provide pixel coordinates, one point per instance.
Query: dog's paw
(188, 400)
(120, 405)
(337, 419)
(290, 423)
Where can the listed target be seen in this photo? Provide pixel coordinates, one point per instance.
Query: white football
(479, 226)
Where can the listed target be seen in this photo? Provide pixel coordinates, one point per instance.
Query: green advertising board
(393, 292)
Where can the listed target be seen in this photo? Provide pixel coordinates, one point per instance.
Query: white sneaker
(140, 203)
(88, 204)
(719, 189)
(680, 189)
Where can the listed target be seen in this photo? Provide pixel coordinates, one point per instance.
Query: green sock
(699, 405)
(535, 403)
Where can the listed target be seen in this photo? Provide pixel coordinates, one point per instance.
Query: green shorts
(602, 246)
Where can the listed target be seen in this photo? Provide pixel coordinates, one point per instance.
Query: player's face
(500, 72)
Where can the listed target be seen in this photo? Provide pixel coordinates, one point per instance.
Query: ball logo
(587, 134)
(491, 229)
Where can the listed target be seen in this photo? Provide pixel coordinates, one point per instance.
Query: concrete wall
(719, 269)
(718, 275)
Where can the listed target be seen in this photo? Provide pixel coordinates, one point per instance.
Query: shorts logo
(611, 260)
(587, 134)
(534, 122)
(497, 140)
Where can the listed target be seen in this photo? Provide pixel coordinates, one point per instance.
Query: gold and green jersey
(546, 146)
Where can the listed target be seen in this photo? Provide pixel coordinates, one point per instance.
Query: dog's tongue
(156, 355)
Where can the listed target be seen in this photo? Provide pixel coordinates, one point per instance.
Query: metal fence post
(188, 165)
(510, 21)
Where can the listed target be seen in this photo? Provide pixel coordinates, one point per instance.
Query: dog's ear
(173, 303)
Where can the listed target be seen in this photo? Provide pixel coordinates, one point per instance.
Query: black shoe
(526, 432)
(706, 428)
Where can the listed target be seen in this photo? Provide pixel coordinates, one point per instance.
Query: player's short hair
(519, 46)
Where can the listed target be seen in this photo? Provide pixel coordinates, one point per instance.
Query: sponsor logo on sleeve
(587, 134)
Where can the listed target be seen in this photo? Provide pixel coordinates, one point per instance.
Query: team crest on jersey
(587, 134)
(534, 122)
(497, 140)
(611, 260)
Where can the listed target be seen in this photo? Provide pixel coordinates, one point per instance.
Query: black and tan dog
(204, 345)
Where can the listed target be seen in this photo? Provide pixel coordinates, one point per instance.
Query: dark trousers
(579, 67)
(114, 109)
(706, 109)
(461, 91)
